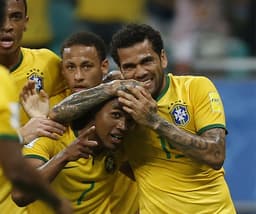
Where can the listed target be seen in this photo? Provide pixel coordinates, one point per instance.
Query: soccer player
(83, 65)
(23, 64)
(41, 65)
(178, 150)
(12, 162)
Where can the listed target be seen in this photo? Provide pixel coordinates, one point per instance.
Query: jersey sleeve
(41, 148)
(207, 103)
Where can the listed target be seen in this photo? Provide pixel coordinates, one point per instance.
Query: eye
(148, 61)
(70, 67)
(16, 16)
(128, 67)
(87, 66)
(116, 114)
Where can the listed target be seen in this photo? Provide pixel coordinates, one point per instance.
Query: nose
(122, 124)
(140, 72)
(78, 75)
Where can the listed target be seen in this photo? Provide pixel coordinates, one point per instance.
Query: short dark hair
(135, 33)
(25, 6)
(87, 39)
(2, 11)
(79, 123)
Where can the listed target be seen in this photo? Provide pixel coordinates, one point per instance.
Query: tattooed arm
(79, 103)
(209, 148)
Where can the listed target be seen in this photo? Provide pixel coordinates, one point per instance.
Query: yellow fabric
(39, 31)
(110, 10)
(42, 65)
(124, 198)
(169, 182)
(9, 122)
(85, 182)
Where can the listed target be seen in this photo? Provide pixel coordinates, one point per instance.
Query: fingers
(43, 127)
(43, 94)
(113, 75)
(52, 126)
(28, 90)
(86, 132)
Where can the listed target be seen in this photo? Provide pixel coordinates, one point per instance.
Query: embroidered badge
(110, 164)
(34, 74)
(180, 114)
(215, 102)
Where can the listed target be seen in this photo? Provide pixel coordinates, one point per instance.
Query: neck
(11, 60)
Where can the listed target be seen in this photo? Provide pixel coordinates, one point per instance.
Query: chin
(112, 146)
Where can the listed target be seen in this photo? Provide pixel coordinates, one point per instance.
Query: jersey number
(82, 196)
(164, 145)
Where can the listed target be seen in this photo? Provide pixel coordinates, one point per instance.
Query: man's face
(141, 62)
(82, 67)
(13, 27)
(112, 124)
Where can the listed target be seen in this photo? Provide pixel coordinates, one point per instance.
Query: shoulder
(190, 81)
(42, 53)
(7, 83)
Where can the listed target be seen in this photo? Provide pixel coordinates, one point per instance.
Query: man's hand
(41, 126)
(113, 75)
(138, 102)
(82, 147)
(36, 104)
(116, 85)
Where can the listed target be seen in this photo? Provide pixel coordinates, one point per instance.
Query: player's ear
(26, 23)
(104, 66)
(164, 59)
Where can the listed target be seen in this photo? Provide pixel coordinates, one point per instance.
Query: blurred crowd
(191, 28)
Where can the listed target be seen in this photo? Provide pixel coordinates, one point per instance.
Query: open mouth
(6, 42)
(116, 138)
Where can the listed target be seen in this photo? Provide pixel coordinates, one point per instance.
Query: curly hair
(132, 34)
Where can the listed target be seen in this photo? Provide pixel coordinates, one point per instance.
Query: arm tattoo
(77, 104)
(208, 148)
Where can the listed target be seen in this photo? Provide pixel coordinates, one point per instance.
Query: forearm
(208, 148)
(27, 179)
(79, 103)
(53, 167)
(48, 171)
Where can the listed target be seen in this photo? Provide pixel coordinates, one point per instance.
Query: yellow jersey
(168, 181)
(41, 65)
(124, 197)
(9, 123)
(87, 183)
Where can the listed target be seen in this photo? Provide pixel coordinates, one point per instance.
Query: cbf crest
(37, 76)
(110, 163)
(180, 114)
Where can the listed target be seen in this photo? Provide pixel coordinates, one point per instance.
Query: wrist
(63, 157)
